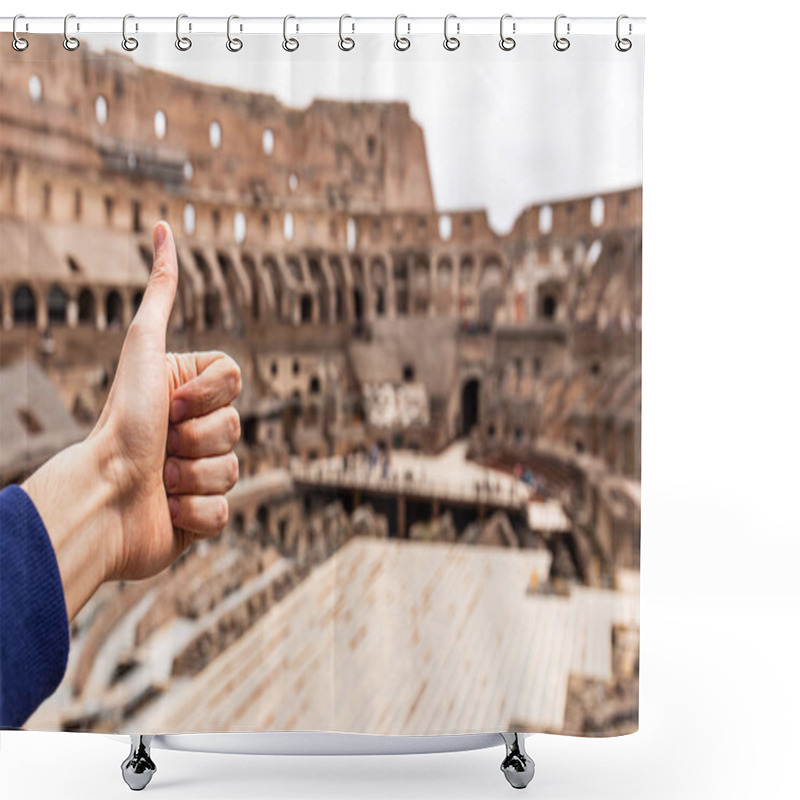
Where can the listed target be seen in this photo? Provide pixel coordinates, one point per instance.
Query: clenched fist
(152, 475)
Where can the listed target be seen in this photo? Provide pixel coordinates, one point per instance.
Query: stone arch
(23, 303)
(57, 302)
(274, 273)
(234, 291)
(490, 290)
(295, 268)
(360, 294)
(402, 288)
(342, 299)
(306, 307)
(380, 285)
(178, 315)
(212, 297)
(115, 309)
(470, 405)
(444, 285)
(467, 278)
(322, 292)
(262, 296)
(87, 308)
(421, 285)
(190, 287)
(466, 272)
(548, 300)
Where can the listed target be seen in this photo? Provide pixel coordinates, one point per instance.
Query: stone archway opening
(470, 405)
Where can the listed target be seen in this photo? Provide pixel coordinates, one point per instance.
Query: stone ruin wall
(310, 230)
(342, 272)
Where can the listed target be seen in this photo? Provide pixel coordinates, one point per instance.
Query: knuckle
(193, 474)
(233, 471)
(222, 513)
(235, 425)
(189, 437)
(235, 380)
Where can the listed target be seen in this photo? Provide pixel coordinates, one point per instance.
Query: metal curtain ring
(561, 43)
(70, 42)
(18, 43)
(451, 42)
(129, 43)
(507, 42)
(346, 43)
(182, 42)
(233, 44)
(623, 45)
(401, 43)
(290, 44)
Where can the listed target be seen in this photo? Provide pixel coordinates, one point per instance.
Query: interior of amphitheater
(413, 381)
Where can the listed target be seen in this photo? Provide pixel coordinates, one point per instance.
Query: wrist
(75, 496)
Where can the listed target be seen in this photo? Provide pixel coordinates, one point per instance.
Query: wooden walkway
(399, 637)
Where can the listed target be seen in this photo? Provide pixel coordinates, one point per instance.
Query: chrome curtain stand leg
(517, 766)
(138, 768)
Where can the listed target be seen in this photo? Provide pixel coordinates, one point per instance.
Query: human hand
(115, 506)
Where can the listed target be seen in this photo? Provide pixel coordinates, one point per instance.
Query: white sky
(502, 129)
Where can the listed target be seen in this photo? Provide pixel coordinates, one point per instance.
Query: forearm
(75, 497)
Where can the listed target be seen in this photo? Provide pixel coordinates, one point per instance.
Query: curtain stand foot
(138, 768)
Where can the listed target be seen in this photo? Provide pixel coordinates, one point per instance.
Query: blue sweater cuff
(34, 628)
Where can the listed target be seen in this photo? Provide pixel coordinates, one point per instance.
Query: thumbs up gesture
(152, 475)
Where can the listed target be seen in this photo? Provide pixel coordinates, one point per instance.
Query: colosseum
(422, 396)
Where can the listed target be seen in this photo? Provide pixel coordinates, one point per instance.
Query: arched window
(160, 124)
(597, 212)
(87, 314)
(24, 304)
(288, 227)
(56, 305)
(188, 170)
(445, 227)
(189, 219)
(239, 227)
(113, 309)
(268, 141)
(101, 110)
(545, 219)
(593, 253)
(293, 181)
(35, 88)
(215, 134)
(351, 234)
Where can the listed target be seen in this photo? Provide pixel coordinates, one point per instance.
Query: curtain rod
(461, 26)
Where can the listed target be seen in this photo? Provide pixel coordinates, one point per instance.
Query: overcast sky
(503, 129)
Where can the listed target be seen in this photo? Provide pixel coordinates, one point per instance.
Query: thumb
(156, 305)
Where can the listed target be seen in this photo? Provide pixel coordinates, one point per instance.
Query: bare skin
(152, 475)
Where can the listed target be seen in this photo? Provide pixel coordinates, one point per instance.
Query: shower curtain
(423, 263)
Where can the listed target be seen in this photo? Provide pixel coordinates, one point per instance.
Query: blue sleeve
(34, 629)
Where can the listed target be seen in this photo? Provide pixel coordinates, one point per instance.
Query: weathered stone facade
(306, 238)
